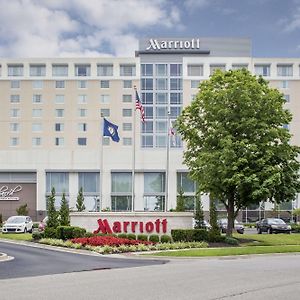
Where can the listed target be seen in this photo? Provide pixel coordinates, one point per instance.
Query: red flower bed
(107, 241)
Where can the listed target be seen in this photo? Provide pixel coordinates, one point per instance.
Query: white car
(17, 224)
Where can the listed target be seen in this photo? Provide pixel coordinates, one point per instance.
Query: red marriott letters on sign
(159, 226)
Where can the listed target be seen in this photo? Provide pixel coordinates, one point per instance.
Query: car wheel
(259, 231)
(270, 231)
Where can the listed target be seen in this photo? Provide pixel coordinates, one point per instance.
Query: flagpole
(133, 155)
(168, 162)
(101, 165)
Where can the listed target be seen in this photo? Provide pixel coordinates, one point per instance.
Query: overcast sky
(52, 28)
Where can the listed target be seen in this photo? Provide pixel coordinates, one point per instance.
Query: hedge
(189, 235)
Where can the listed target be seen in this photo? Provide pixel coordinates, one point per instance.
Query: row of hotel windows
(61, 84)
(146, 69)
(121, 189)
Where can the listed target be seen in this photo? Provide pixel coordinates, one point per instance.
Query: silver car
(17, 224)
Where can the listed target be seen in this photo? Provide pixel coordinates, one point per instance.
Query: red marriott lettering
(132, 226)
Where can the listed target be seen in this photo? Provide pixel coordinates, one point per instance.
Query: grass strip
(231, 251)
(16, 236)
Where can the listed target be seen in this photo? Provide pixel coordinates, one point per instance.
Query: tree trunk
(230, 214)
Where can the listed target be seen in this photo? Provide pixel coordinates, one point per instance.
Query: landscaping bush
(189, 235)
(131, 236)
(122, 235)
(142, 237)
(35, 225)
(38, 235)
(215, 237)
(231, 241)
(295, 228)
(165, 239)
(69, 232)
(88, 234)
(50, 232)
(154, 238)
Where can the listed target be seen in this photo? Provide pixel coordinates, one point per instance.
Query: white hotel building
(50, 123)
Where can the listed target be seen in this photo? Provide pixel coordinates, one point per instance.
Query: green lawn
(16, 236)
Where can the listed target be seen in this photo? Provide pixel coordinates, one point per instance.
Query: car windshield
(16, 220)
(276, 221)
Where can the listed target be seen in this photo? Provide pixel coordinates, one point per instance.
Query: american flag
(138, 105)
(172, 133)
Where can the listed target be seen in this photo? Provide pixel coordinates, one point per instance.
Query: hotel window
(15, 70)
(36, 127)
(239, 66)
(59, 70)
(15, 112)
(82, 70)
(287, 98)
(81, 141)
(175, 70)
(161, 84)
(127, 70)
(82, 127)
(147, 83)
(147, 70)
(36, 98)
(14, 98)
(37, 70)
(82, 84)
(105, 99)
(104, 84)
(161, 141)
(36, 141)
(57, 180)
(175, 111)
(59, 99)
(127, 98)
(213, 68)
(147, 127)
(161, 69)
(82, 99)
(105, 141)
(105, 70)
(147, 98)
(148, 112)
(262, 70)
(127, 141)
(161, 98)
(37, 84)
(195, 84)
(161, 127)
(188, 187)
(60, 84)
(195, 70)
(127, 84)
(284, 84)
(82, 112)
(161, 112)
(59, 141)
(285, 70)
(37, 113)
(175, 84)
(127, 126)
(14, 127)
(105, 112)
(126, 112)
(154, 191)
(59, 126)
(147, 141)
(15, 84)
(14, 141)
(59, 113)
(121, 190)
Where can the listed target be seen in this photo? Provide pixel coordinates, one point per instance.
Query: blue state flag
(111, 130)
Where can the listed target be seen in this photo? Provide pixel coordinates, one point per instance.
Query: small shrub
(69, 232)
(231, 241)
(142, 237)
(122, 235)
(154, 238)
(35, 225)
(50, 232)
(38, 235)
(215, 237)
(295, 228)
(78, 232)
(165, 238)
(189, 235)
(131, 236)
(88, 234)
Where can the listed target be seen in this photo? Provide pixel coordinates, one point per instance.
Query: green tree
(51, 211)
(213, 216)
(64, 212)
(296, 213)
(237, 146)
(80, 201)
(22, 210)
(180, 201)
(199, 214)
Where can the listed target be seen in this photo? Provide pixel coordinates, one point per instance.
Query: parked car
(18, 224)
(43, 224)
(273, 225)
(206, 224)
(222, 223)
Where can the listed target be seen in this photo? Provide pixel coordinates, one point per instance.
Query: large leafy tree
(236, 145)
